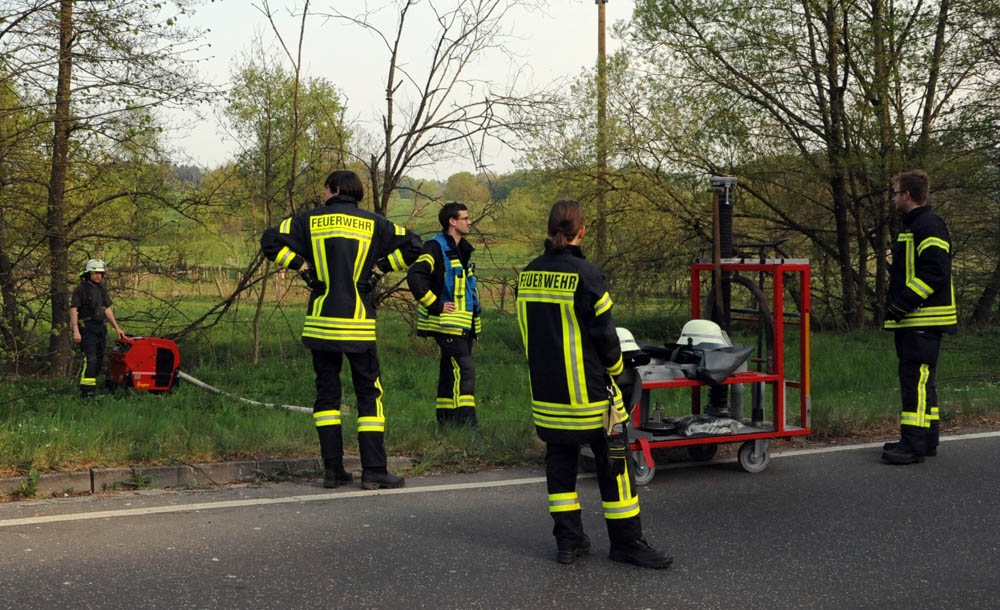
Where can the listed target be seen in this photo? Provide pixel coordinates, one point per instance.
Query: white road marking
(341, 495)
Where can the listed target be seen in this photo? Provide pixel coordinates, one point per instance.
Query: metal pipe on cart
(722, 248)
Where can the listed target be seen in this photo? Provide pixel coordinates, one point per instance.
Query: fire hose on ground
(201, 384)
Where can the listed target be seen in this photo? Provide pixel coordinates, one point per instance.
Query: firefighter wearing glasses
(920, 307)
(337, 247)
(443, 282)
(572, 348)
(89, 310)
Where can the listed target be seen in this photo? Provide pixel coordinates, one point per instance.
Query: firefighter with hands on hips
(341, 250)
(443, 282)
(920, 307)
(564, 313)
(89, 309)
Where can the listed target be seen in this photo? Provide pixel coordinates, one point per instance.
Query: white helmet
(703, 331)
(95, 265)
(626, 340)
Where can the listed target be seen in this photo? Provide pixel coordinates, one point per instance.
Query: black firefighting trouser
(919, 420)
(371, 418)
(93, 344)
(619, 499)
(456, 401)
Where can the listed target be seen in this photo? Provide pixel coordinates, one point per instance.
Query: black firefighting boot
(930, 452)
(569, 550)
(334, 474)
(381, 480)
(639, 553)
(902, 455)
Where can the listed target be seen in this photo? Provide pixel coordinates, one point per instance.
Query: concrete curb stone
(194, 475)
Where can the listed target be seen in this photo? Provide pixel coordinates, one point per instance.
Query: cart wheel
(642, 471)
(586, 460)
(702, 453)
(750, 463)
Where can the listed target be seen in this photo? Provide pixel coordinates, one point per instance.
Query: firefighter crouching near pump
(920, 307)
(443, 282)
(564, 313)
(89, 309)
(335, 247)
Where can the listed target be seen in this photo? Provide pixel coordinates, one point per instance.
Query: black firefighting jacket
(342, 243)
(570, 341)
(921, 293)
(443, 273)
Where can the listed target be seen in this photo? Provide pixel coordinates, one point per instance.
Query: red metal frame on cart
(775, 378)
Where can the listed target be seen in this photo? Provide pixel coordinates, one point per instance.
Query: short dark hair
(345, 182)
(916, 183)
(449, 211)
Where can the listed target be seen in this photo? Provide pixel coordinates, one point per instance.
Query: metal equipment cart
(646, 433)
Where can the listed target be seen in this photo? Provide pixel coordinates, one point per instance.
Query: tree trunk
(55, 224)
(11, 333)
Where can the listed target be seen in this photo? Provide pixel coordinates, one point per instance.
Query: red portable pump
(145, 363)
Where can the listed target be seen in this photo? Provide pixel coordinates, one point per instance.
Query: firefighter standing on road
(572, 348)
(89, 309)
(443, 283)
(920, 307)
(337, 247)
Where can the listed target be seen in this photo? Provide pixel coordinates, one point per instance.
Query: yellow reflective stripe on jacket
(573, 355)
(446, 323)
(284, 257)
(564, 502)
(931, 242)
(395, 259)
(428, 299)
(603, 304)
(425, 258)
(339, 329)
(285, 226)
(941, 315)
(617, 368)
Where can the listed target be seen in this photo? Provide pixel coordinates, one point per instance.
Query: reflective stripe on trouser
(621, 505)
(368, 393)
(93, 343)
(456, 379)
(919, 415)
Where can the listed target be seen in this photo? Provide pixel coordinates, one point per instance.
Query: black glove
(312, 280)
(618, 452)
(894, 312)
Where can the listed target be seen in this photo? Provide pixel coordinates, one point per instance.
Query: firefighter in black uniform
(920, 307)
(89, 309)
(337, 247)
(443, 282)
(573, 351)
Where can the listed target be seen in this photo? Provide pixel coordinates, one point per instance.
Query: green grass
(43, 425)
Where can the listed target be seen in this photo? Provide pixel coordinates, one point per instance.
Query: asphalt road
(834, 529)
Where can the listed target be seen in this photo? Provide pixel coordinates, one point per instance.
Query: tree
(292, 134)
(92, 72)
(855, 91)
(440, 109)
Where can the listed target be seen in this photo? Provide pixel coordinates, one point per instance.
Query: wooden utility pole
(602, 134)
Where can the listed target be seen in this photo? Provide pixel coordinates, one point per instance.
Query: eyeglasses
(464, 218)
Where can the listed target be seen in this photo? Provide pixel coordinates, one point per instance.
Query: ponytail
(565, 222)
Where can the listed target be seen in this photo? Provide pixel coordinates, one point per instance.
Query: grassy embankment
(43, 425)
